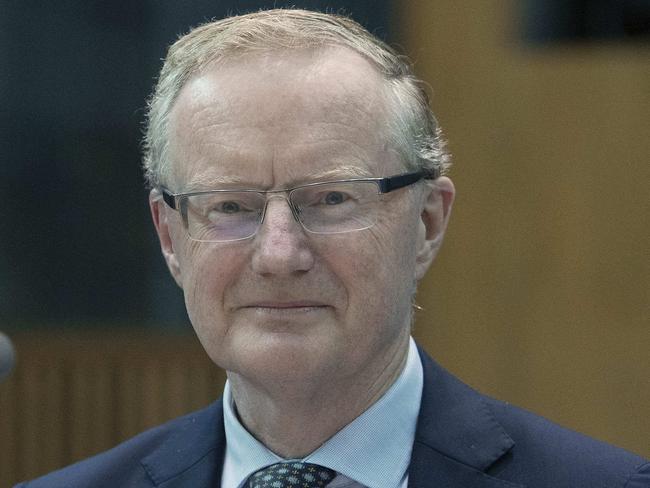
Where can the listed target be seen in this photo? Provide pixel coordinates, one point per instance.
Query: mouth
(285, 307)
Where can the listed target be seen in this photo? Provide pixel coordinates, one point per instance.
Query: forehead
(262, 118)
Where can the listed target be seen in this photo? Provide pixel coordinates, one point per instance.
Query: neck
(277, 416)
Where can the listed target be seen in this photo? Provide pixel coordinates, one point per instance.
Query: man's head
(413, 127)
(287, 300)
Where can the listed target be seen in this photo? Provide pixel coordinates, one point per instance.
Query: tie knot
(291, 475)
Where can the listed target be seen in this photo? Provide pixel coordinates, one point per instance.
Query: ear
(160, 216)
(436, 208)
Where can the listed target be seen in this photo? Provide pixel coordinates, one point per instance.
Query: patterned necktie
(291, 475)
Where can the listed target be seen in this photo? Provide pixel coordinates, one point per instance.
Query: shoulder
(129, 463)
(514, 445)
(557, 456)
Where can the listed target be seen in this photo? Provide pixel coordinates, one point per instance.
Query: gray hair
(414, 130)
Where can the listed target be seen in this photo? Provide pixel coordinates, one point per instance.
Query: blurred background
(540, 296)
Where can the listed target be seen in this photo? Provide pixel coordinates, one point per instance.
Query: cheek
(377, 268)
(207, 275)
(394, 249)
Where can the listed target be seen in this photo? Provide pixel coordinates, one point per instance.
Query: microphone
(7, 356)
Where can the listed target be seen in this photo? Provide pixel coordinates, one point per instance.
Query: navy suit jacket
(463, 439)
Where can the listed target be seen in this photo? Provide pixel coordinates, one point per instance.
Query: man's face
(286, 303)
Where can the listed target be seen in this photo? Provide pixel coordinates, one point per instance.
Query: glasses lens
(223, 216)
(337, 207)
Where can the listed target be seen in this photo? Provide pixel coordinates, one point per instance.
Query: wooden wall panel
(541, 293)
(76, 393)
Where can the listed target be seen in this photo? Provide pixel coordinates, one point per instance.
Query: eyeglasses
(330, 207)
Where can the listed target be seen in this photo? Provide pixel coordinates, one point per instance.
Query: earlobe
(436, 209)
(160, 221)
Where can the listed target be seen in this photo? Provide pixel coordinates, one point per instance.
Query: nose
(281, 246)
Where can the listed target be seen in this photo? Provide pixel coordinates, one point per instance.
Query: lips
(284, 308)
(286, 305)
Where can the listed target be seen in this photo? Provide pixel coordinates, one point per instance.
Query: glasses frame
(384, 185)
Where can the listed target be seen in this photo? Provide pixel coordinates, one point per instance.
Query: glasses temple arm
(400, 181)
(168, 197)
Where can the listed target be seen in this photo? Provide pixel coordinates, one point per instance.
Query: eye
(335, 198)
(228, 207)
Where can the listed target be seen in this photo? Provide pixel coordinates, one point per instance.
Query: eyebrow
(211, 182)
(208, 183)
(340, 172)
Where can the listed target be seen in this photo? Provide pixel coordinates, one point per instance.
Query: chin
(284, 357)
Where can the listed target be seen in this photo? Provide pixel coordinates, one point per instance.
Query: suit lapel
(193, 453)
(457, 438)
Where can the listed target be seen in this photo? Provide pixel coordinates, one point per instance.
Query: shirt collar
(374, 449)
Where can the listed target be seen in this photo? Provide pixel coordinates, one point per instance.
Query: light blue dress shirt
(373, 451)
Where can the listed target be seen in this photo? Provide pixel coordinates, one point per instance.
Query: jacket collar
(192, 454)
(457, 437)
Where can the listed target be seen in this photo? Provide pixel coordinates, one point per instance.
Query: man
(298, 193)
